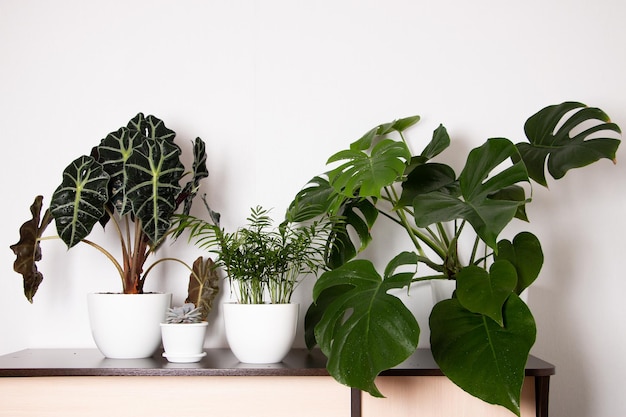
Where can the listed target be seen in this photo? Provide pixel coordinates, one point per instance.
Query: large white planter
(127, 326)
(260, 333)
(184, 342)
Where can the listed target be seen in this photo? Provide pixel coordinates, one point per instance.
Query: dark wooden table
(221, 362)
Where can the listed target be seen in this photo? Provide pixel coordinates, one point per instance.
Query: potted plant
(264, 265)
(185, 327)
(130, 182)
(481, 337)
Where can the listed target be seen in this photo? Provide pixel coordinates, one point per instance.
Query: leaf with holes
(364, 330)
(568, 135)
(478, 182)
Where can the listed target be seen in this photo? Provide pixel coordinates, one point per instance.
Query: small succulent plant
(187, 313)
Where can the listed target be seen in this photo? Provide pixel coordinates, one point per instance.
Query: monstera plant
(130, 182)
(480, 337)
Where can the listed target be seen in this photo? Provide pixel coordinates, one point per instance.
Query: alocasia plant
(131, 181)
(482, 336)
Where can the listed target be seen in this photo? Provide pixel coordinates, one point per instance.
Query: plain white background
(275, 87)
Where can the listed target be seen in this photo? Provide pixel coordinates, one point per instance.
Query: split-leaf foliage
(482, 336)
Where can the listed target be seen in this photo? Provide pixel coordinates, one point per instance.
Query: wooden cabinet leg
(355, 402)
(542, 394)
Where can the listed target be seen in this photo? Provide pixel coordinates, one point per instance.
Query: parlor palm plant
(482, 336)
(263, 263)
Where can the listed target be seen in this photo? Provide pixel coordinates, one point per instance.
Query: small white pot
(126, 326)
(260, 333)
(184, 342)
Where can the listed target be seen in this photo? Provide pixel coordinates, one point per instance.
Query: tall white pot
(260, 333)
(127, 326)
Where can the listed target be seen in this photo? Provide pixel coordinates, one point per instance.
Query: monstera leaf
(78, 203)
(358, 215)
(478, 182)
(380, 131)
(480, 356)
(525, 254)
(153, 172)
(365, 175)
(576, 142)
(28, 250)
(365, 330)
(317, 198)
(485, 292)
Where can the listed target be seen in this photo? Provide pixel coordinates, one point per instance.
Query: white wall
(276, 86)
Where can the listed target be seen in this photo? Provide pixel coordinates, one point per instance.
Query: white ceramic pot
(442, 289)
(260, 333)
(184, 342)
(126, 326)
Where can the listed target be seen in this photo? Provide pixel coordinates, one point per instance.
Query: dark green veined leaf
(28, 250)
(365, 330)
(78, 203)
(478, 184)
(484, 292)
(566, 147)
(151, 127)
(153, 172)
(365, 175)
(526, 255)
(478, 355)
(113, 152)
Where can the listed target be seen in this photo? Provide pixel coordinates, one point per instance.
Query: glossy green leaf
(365, 175)
(359, 216)
(485, 292)
(79, 202)
(526, 255)
(480, 356)
(365, 142)
(439, 142)
(364, 330)
(153, 172)
(317, 198)
(478, 182)
(568, 135)
(427, 178)
(151, 127)
(113, 152)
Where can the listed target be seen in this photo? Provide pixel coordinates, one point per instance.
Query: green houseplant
(482, 336)
(131, 181)
(264, 265)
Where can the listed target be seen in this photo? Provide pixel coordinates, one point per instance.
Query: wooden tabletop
(217, 362)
